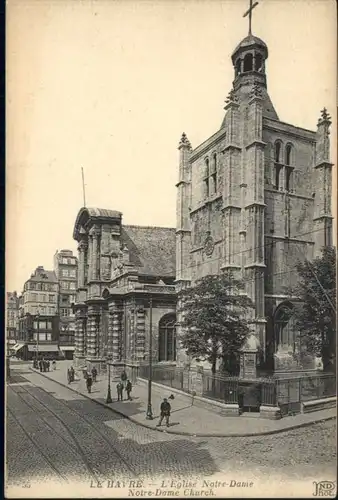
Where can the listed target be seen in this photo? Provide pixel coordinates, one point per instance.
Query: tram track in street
(78, 447)
(55, 469)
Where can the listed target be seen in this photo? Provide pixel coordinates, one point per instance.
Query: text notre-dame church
(254, 198)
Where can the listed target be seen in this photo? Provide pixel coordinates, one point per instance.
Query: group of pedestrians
(123, 384)
(44, 365)
(127, 387)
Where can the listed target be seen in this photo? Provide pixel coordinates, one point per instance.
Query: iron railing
(286, 393)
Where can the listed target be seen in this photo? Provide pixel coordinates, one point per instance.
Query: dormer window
(248, 63)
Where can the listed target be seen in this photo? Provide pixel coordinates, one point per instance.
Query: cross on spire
(249, 13)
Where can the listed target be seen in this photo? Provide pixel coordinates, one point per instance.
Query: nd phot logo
(324, 488)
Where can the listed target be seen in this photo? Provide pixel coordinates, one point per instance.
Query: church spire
(249, 13)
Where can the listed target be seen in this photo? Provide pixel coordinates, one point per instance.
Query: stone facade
(255, 198)
(125, 281)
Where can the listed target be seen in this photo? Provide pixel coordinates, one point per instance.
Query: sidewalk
(185, 419)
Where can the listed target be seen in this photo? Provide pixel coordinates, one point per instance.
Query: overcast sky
(111, 85)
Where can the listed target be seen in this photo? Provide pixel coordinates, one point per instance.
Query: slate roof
(40, 274)
(151, 249)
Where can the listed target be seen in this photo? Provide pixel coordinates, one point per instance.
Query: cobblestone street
(55, 434)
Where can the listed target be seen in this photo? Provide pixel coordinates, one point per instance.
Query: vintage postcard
(171, 249)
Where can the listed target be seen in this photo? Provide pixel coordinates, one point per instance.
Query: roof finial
(184, 142)
(324, 117)
(249, 13)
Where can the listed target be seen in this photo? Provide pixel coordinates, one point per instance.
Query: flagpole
(83, 188)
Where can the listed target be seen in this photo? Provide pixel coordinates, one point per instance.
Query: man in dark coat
(94, 373)
(164, 412)
(89, 383)
(119, 388)
(128, 389)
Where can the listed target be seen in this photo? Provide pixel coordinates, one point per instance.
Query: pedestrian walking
(72, 374)
(89, 383)
(119, 389)
(128, 389)
(54, 364)
(48, 365)
(94, 373)
(40, 365)
(164, 412)
(69, 376)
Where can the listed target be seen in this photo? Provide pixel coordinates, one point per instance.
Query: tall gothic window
(285, 331)
(213, 173)
(206, 178)
(288, 179)
(288, 154)
(277, 152)
(238, 67)
(167, 338)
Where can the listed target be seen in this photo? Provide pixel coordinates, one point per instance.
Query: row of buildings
(41, 320)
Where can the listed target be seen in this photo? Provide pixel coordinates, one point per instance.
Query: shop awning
(67, 348)
(43, 348)
(16, 347)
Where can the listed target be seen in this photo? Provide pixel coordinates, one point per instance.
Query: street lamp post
(149, 415)
(109, 399)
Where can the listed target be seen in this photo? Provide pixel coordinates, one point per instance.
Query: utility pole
(149, 408)
(37, 336)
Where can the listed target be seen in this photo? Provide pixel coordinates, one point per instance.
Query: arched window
(277, 152)
(284, 328)
(206, 178)
(167, 338)
(259, 63)
(288, 154)
(238, 67)
(248, 62)
(213, 172)
(206, 167)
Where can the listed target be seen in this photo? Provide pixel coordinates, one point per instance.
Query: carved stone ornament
(209, 245)
(256, 90)
(231, 97)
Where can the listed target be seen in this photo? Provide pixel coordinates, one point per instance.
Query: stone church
(253, 198)
(126, 289)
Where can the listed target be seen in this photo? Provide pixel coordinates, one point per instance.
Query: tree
(213, 319)
(316, 318)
